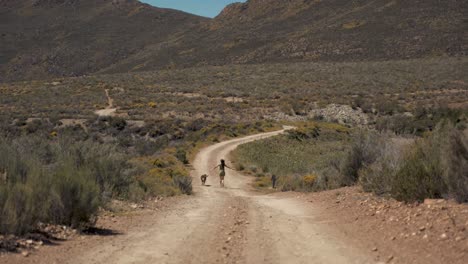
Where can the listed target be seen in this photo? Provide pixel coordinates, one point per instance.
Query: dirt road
(236, 224)
(110, 109)
(230, 225)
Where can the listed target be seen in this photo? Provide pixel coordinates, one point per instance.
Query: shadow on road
(101, 232)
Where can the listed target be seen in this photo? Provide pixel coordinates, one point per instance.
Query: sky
(206, 8)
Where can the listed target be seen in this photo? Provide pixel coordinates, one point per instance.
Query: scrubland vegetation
(408, 169)
(306, 152)
(58, 156)
(390, 88)
(61, 182)
(59, 174)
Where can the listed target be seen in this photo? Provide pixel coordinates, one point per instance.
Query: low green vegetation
(314, 158)
(165, 117)
(61, 182)
(435, 166)
(58, 173)
(422, 120)
(306, 151)
(249, 92)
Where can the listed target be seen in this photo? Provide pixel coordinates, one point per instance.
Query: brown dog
(203, 179)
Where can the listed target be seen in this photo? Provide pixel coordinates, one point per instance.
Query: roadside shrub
(419, 177)
(12, 162)
(167, 177)
(329, 178)
(157, 182)
(454, 160)
(184, 183)
(109, 167)
(181, 155)
(310, 180)
(364, 151)
(303, 133)
(262, 182)
(290, 183)
(59, 182)
(17, 209)
(66, 195)
(297, 183)
(432, 167)
(75, 196)
(377, 177)
(137, 191)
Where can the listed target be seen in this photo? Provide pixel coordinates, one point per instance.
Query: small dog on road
(203, 179)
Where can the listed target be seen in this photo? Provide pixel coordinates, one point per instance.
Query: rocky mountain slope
(43, 38)
(343, 30)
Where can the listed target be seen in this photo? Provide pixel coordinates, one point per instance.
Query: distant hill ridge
(49, 38)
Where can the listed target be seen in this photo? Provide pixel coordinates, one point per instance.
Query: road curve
(231, 225)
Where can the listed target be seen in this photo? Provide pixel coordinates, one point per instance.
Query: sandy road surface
(230, 225)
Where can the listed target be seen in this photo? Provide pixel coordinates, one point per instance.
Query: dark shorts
(222, 174)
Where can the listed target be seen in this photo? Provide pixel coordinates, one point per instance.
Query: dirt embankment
(435, 231)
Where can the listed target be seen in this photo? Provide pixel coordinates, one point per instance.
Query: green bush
(184, 183)
(437, 167)
(422, 121)
(262, 182)
(377, 177)
(419, 176)
(329, 177)
(364, 151)
(17, 209)
(137, 191)
(290, 183)
(454, 161)
(75, 195)
(313, 148)
(303, 133)
(433, 167)
(59, 182)
(181, 155)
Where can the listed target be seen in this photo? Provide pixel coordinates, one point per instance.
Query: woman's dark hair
(222, 161)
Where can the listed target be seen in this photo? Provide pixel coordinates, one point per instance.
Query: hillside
(44, 38)
(75, 37)
(344, 30)
(265, 31)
